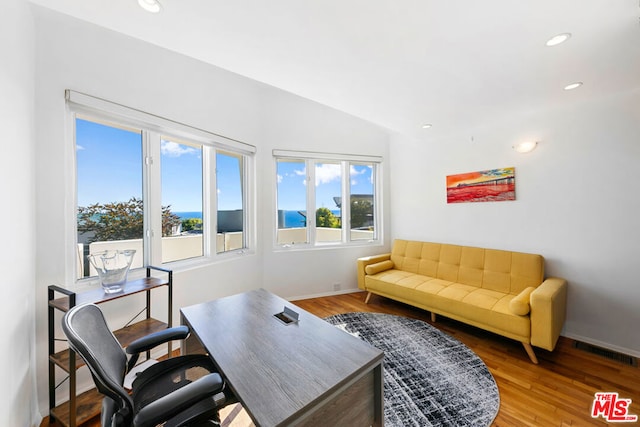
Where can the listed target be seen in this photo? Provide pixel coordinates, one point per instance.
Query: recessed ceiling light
(573, 86)
(152, 6)
(557, 39)
(426, 125)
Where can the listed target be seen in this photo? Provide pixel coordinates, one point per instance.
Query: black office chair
(181, 391)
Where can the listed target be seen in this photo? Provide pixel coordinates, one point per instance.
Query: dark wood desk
(308, 373)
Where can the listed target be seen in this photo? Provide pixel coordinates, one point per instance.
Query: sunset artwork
(495, 185)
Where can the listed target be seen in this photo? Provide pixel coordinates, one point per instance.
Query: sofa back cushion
(471, 270)
(526, 270)
(497, 270)
(429, 259)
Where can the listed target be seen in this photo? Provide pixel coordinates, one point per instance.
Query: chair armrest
(548, 312)
(364, 261)
(152, 340)
(167, 406)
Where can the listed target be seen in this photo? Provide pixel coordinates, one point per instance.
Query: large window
(328, 212)
(292, 201)
(156, 188)
(109, 190)
(181, 188)
(361, 201)
(316, 214)
(230, 196)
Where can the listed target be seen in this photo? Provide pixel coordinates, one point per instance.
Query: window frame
(310, 160)
(154, 129)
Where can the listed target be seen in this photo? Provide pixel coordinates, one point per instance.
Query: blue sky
(109, 162)
(292, 184)
(110, 169)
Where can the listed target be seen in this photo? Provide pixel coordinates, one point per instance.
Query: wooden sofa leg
(366, 300)
(530, 352)
(433, 317)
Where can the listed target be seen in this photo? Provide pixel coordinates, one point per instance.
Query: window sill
(199, 262)
(295, 247)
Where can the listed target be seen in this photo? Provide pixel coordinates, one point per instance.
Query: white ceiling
(458, 64)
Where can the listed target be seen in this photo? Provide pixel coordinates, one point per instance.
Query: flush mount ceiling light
(152, 6)
(557, 39)
(573, 86)
(525, 147)
(426, 125)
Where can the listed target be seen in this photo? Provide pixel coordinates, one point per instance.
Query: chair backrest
(90, 337)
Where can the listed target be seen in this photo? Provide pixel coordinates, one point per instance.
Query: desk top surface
(275, 369)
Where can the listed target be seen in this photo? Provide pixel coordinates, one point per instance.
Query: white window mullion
(208, 200)
(152, 196)
(247, 202)
(345, 209)
(310, 166)
(377, 202)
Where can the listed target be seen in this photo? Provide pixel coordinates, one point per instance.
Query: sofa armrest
(364, 261)
(548, 312)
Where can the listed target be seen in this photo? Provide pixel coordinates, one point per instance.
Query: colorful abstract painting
(495, 185)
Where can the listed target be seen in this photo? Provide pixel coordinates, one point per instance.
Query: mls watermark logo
(612, 408)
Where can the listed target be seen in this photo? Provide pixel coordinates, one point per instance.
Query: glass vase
(112, 267)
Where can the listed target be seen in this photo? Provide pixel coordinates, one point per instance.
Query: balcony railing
(175, 248)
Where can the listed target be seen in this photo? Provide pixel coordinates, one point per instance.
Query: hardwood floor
(559, 391)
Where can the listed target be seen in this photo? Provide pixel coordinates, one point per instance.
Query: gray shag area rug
(430, 378)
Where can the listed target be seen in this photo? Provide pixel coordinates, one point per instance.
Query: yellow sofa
(500, 291)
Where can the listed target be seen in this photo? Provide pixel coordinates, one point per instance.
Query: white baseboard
(325, 294)
(602, 344)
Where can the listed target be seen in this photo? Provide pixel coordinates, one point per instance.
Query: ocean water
(291, 218)
(186, 215)
(295, 218)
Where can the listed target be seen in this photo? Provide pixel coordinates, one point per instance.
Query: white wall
(17, 216)
(576, 194)
(576, 204)
(79, 56)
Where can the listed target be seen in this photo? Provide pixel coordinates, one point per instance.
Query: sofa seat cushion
(463, 302)
(457, 291)
(390, 276)
(433, 286)
(405, 287)
(490, 308)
